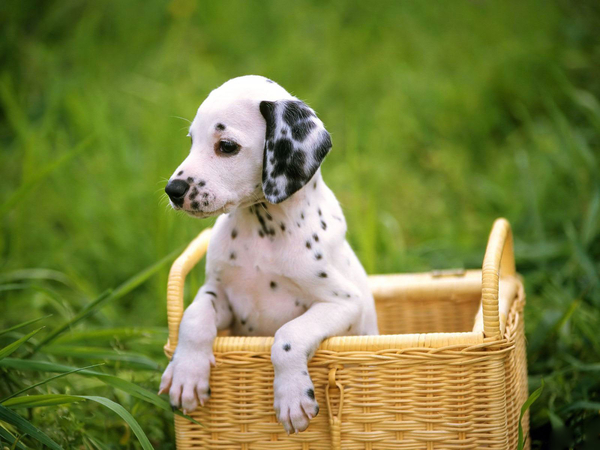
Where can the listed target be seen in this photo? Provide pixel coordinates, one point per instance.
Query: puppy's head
(251, 140)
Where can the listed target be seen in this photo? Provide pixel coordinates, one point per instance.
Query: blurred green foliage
(444, 116)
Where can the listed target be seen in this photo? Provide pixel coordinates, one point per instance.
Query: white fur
(271, 285)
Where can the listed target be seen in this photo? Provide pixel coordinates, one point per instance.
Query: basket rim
(471, 341)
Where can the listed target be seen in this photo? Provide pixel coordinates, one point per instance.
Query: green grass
(444, 116)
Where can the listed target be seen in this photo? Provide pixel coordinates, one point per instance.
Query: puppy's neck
(276, 220)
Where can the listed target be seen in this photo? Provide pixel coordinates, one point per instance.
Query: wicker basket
(427, 382)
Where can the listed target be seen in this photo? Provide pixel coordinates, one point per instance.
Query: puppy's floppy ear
(296, 142)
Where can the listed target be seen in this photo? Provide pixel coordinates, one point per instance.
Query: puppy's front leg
(186, 377)
(295, 343)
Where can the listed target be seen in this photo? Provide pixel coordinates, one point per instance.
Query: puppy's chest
(256, 274)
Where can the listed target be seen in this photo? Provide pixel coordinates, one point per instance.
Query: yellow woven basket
(440, 376)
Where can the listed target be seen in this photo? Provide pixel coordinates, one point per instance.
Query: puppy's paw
(186, 379)
(295, 403)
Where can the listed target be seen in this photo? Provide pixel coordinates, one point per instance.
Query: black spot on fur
(205, 195)
(297, 303)
(211, 293)
(282, 151)
(323, 225)
(310, 393)
(232, 255)
(261, 221)
(250, 329)
(287, 347)
(269, 216)
(201, 183)
(233, 233)
(322, 274)
(295, 111)
(318, 256)
(315, 185)
(180, 173)
(347, 295)
(205, 203)
(317, 410)
(304, 372)
(195, 205)
(308, 244)
(302, 215)
(220, 126)
(261, 234)
(305, 307)
(273, 285)
(316, 237)
(349, 328)
(302, 129)
(190, 180)
(194, 193)
(319, 211)
(298, 223)
(282, 226)
(208, 392)
(243, 321)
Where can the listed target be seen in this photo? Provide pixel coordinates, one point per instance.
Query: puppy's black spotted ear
(296, 142)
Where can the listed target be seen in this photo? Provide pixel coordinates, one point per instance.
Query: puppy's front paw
(295, 403)
(186, 379)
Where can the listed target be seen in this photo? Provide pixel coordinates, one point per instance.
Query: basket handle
(175, 285)
(499, 260)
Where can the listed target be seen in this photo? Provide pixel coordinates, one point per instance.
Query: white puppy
(278, 261)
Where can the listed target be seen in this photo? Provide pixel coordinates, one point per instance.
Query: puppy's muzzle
(176, 190)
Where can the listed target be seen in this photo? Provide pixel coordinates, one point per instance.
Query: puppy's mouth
(202, 214)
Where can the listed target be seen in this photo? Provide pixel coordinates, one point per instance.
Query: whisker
(182, 118)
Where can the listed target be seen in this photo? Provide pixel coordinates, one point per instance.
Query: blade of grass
(24, 426)
(8, 437)
(24, 324)
(126, 416)
(33, 401)
(28, 388)
(29, 185)
(532, 398)
(109, 295)
(92, 353)
(15, 345)
(111, 380)
(16, 443)
(108, 334)
(57, 399)
(583, 404)
(35, 274)
(82, 315)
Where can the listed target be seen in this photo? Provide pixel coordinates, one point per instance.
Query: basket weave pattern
(427, 382)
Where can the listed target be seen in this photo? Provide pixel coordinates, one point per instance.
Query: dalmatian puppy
(278, 262)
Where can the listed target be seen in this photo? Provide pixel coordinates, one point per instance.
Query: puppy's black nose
(176, 189)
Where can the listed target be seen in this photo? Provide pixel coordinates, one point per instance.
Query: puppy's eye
(228, 147)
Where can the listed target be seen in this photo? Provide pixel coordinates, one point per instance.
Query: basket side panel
(240, 412)
(517, 389)
(423, 402)
(411, 400)
(424, 304)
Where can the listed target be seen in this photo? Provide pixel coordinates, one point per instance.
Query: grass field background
(443, 115)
